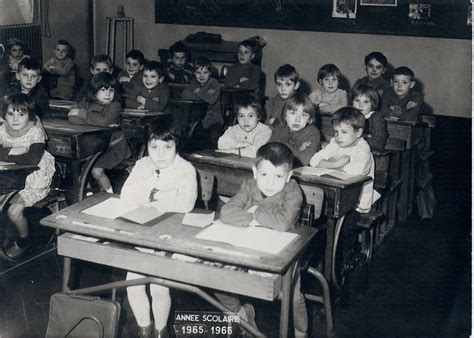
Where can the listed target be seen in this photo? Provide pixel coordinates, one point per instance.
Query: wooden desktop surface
(178, 238)
(13, 176)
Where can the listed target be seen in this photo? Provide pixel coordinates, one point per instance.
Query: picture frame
(385, 3)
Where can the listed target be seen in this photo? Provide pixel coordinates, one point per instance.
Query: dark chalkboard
(430, 18)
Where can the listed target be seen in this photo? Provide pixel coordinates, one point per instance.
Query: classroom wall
(443, 66)
(69, 20)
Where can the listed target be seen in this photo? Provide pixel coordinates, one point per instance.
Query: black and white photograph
(378, 2)
(235, 168)
(346, 9)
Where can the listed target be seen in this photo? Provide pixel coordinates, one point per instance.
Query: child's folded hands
(18, 150)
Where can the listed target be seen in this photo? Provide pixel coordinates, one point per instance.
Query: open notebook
(113, 208)
(322, 171)
(256, 238)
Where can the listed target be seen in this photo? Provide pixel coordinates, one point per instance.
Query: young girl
(102, 109)
(298, 131)
(62, 65)
(16, 53)
(22, 141)
(366, 99)
(249, 134)
(166, 181)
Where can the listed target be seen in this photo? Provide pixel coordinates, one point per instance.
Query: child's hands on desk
(18, 150)
(73, 112)
(304, 146)
(195, 91)
(411, 104)
(341, 161)
(243, 79)
(140, 99)
(211, 91)
(124, 79)
(252, 209)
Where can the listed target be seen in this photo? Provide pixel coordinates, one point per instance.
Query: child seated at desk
(132, 75)
(375, 67)
(366, 99)
(402, 101)
(22, 141)
(204, 87)
(16, 53)
(244, 74)
(179, 70)
(349, 152)
(271, 198)
(297, 130)
(102, 109)
(287, 82)
(99, 63)
(153, 92)
(29, 77)
(327, 96)
(166, 181)
(62, 65)
(249, 134)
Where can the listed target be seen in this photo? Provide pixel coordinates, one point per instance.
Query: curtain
(41, 16)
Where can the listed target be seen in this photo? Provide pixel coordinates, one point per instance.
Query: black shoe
(16, 251)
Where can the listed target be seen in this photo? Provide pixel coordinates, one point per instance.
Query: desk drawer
(77, 146)
(125, 257)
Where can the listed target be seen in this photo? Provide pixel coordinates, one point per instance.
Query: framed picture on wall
(378, 3)
(344, 9)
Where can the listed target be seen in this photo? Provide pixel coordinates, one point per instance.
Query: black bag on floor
(355, 279)
(82, 316)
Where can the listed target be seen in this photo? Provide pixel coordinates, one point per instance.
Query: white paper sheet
(198, 220)
(255, 238)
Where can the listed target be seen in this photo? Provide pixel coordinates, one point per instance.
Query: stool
(112, 35)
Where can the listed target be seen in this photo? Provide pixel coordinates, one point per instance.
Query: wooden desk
(13, 177)
(59, 109)
(78, 146)
(230, 171)
(412, 133)
(181, 240)
(188, 113)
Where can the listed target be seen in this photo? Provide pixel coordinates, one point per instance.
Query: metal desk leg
(330, 252)
(66, 273)
(285, 302)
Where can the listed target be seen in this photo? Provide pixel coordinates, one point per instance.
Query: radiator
(29, 34)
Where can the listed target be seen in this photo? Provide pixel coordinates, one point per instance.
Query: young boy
(297, 130)
(131, 76)
(62, 66)
(402, 102)
(179, 70)
(29, 76)
(204, 87)
(249, 134)
(327, 95)
(375, 67)
(244, 74)
(100, 63)
(273, 199)
(153, 92)
(287, 82)
(349, 152)
(166, 182)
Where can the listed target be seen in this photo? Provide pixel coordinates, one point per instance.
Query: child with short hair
(375, 67)
(22, 141)
(204, 87)
(297, 130)
(102, 109)
(179, 70)
(271, 198)
(62, 65)
(249, 134)
(287, 82)
(132, 75)
(244, 74)
(349, 152)
(16, 53)
(327, 96)
(99, 63)
(366, 99)
(402, 101)
(153, 92)
(167, 182)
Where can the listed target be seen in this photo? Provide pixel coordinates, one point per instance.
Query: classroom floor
(420, 282)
